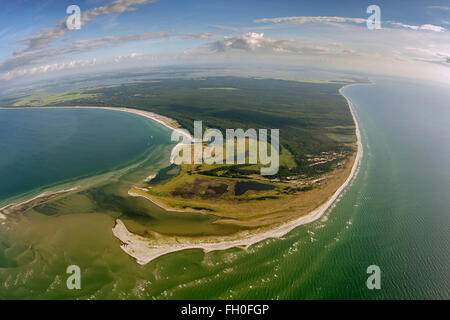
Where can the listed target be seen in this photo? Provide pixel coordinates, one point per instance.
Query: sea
(395, 213)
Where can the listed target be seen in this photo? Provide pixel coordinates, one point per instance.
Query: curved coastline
(144, 251)
(17, 203)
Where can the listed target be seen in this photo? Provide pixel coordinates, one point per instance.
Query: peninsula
(319, 155)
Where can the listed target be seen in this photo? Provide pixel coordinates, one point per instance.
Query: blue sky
(414, 39)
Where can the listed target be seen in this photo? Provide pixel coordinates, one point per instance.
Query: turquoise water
(42, 148)
(395, 214)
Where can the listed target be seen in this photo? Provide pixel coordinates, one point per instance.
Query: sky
(413, 41)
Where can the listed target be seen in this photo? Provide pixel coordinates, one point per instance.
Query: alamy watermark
(209, 147)
(374, 21)
(74, 281)
(374, 280)
(73, 21)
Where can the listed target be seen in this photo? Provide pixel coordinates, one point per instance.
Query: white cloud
(129, 57)
(42, 38)
(427, 27)
(37, 47)
(325, 19)
(407, 26)
(431, 53)
(257, 43)
(80, 46)
(49, 68)
(305, 19)
(431, 27)
(71, 64)
(250, 41)
(20, 62)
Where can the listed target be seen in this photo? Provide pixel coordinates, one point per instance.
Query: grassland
(39, 99)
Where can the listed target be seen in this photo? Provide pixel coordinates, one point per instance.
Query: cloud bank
(44, 37)
(325, 19)
(304, 19)
(257, 43)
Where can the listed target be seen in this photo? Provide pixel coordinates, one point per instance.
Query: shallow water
(41, 147)
(395, 214)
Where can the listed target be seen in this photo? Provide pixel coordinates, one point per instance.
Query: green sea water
(394, 214)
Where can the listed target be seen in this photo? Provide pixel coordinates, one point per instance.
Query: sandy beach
(13, 208)
(145, 250)
(165, 121)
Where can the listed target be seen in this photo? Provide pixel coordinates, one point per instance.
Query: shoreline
(142, 248)
(48, 195)
(13, 207)
(156, 203)
(144, 251)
